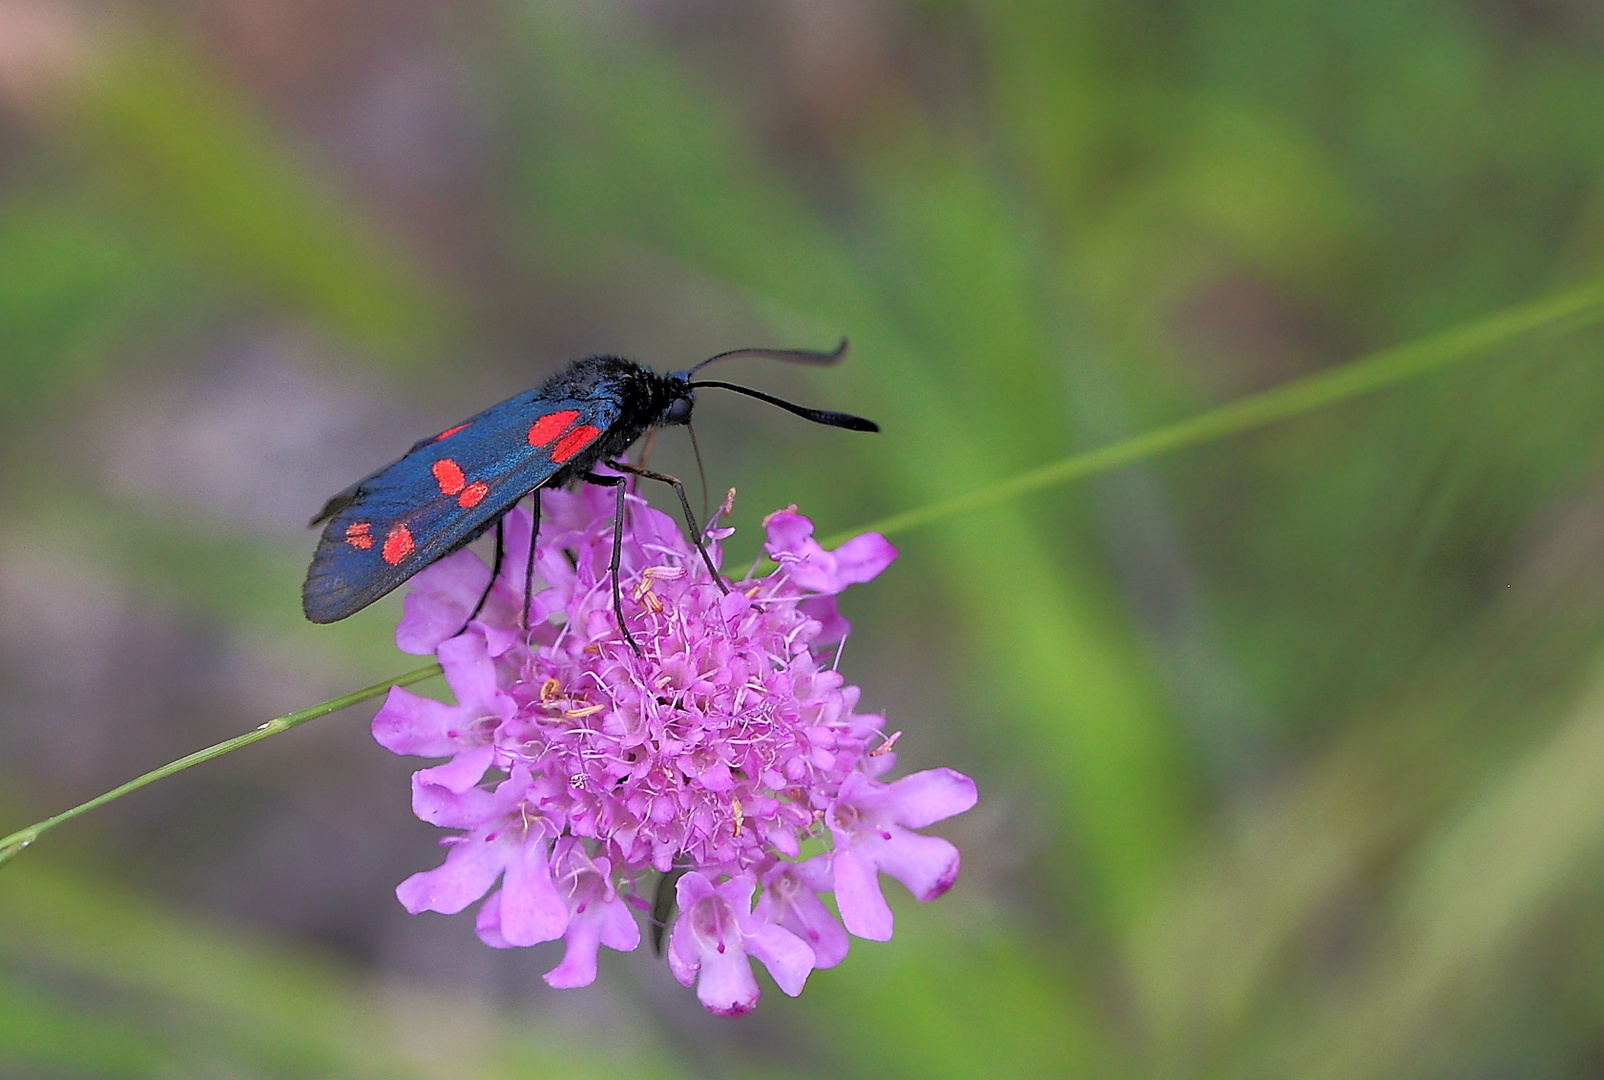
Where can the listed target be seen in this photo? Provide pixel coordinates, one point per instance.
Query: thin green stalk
(1566, 312)
(13, 844)
(1563, 313)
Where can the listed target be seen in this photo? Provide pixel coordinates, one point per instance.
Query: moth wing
(442, 494)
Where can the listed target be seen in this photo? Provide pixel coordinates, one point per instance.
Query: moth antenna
(794, 356)
(818, 416)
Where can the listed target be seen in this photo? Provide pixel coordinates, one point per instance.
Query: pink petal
(469, 670)
(823, 934)
(652, 526)
(726, 986)
(531, 909)
(467, 809)
(618, 927)
(833, 626)
(418, 726)
(515, 526)
(858, 797)
(578, 967)
(930, 796)
(791, 900)
(691, 889)
(684, 959)
(441, 597)
(808, 566)
(788, 533)
(716, 777)
(470, 869)
(501, 637)
(734, 605)
(736, 892)
(861, 559)
(450, 809)
(488, 923)
(462, 772)
(553, 568)
(927, 865)
(857, 894)
(787, 956)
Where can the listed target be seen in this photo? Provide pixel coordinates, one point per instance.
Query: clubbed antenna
(793, 356)
(818, 416)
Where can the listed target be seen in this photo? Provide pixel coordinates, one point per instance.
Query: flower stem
(12, 845)
(1561, 313)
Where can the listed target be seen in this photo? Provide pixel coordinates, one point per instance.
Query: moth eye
(679, 412)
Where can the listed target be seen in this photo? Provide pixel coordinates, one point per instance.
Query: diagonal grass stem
(1565, 312)
(12, 845)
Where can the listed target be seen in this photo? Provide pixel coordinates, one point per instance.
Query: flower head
(579, 771)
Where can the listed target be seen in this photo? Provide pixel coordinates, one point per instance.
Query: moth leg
(685, 505)
(529, 565)
(618, 550)
(495, 572)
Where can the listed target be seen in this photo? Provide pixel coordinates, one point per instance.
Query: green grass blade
(1565, 312)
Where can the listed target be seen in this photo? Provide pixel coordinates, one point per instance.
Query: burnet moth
(451, 488)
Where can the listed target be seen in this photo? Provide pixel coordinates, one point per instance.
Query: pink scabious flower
(580, 773)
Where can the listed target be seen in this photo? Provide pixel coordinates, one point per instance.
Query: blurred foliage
(1291, 745)
(210, 1001)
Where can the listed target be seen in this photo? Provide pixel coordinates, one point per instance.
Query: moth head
(681, 400)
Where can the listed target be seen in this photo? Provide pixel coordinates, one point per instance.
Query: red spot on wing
(448, 432)
(473, 494)
(573, 442)
(397, 545)
(448, 474)
(358, 535)
(550, 426)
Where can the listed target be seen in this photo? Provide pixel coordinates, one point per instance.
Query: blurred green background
(1290, 747)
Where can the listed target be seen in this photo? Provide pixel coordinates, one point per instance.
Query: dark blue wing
(441, 494)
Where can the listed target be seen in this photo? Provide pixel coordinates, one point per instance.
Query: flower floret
(411, 724)
(716, 931)
(871, 822)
